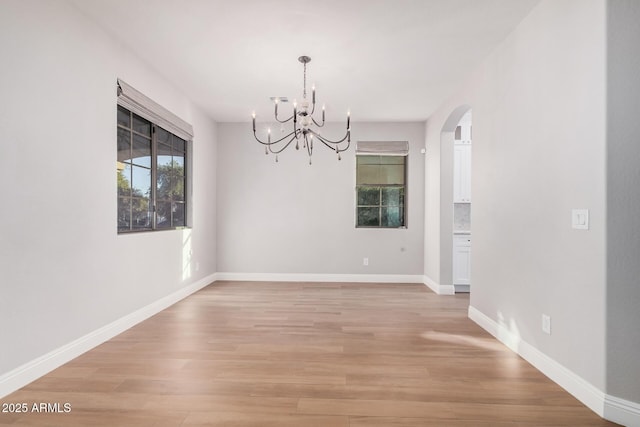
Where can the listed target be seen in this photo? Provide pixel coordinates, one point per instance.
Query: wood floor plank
(421, 422)
(380, 408)
(230, 419)
(305, 355)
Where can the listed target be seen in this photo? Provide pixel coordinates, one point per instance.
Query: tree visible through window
(151, 175)
(380, 188)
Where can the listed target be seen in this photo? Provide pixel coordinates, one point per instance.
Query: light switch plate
(546, 324)
(580, 219)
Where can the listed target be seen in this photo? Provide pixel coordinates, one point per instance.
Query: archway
(447, 143)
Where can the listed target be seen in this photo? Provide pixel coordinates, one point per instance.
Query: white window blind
(382, 148)
(143, 106)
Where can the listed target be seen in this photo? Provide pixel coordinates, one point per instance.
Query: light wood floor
(304, 354)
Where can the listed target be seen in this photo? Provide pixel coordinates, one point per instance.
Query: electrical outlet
(546, 324)
(580, 219)
(365, 261)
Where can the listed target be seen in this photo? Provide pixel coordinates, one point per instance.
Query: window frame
(380, 205)
(152, 208)
(185, 180)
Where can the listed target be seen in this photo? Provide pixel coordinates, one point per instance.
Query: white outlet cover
(546, 324)
(580, 219)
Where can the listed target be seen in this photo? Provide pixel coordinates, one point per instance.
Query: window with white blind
(381, 175)
(152, 164)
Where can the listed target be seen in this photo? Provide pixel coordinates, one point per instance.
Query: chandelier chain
(304, 90)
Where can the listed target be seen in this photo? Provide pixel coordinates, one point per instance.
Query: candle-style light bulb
(313, 93)
(269, 134)
(348, 119)
(295, 113)
(253, 115)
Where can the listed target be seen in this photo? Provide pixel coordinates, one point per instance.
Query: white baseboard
(609, 407)
(462, 289)
(304, 277)
(501, 333)
(574, 384)
(622, 411)
(30, 371)
(437, 288)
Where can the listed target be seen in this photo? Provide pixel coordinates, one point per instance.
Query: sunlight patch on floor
(484, 343)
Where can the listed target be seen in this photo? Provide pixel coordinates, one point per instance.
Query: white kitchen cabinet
(462, 260)
(462, 173)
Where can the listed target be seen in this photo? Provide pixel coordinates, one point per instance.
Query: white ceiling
(385, 60)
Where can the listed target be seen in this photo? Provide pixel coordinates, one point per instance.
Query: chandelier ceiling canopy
(306, 128)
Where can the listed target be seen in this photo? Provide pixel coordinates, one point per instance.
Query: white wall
(623, 199)
(64, 271)
(292, 217)
(540, 144)
(432, 205)
(539, 150)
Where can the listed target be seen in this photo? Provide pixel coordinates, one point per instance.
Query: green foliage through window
(151, 178)
(380, 188)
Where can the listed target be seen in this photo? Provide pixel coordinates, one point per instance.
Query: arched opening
(455, 201)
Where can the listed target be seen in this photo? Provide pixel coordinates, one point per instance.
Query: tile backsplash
(462, 216)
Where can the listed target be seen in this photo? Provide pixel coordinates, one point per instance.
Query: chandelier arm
(328, 140)
(272, 142)
(294, 137)
(282, 121)
(336, 148)
(316, 123)
(283, 148)
(332, 148)
(275, 113)
(344, 149)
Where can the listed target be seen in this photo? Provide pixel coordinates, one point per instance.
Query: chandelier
(304, 125)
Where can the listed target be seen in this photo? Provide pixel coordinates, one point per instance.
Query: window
(380, 189)
(152, 178)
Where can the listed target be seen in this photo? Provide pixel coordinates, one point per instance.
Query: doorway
(461, 232)
(455, 213)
